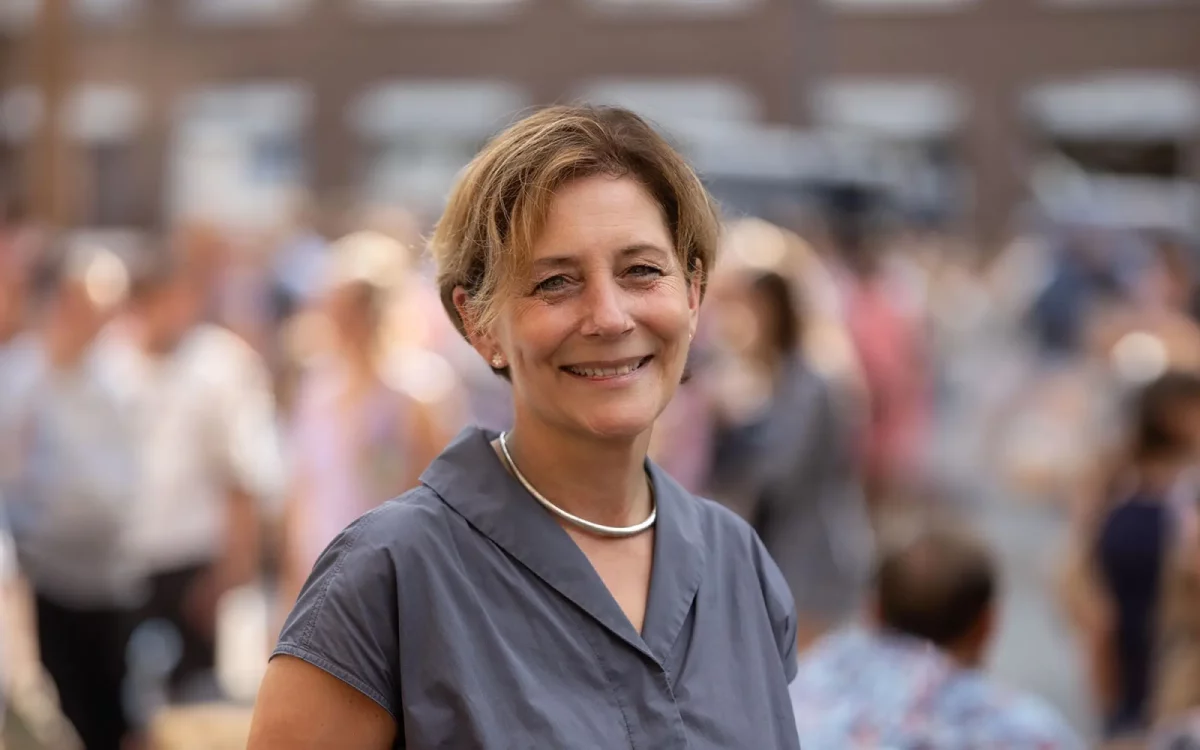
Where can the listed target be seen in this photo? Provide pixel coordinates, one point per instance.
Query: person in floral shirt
(911, 678)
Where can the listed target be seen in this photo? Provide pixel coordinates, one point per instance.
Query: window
(419, 135)
(901, 131)
(107, 11)
(18, 15)
(673, 7)
(440, 8)
(1098, 4)
(20, 114)
(103, 121)
(897, 109)
(1116, 106)
(98, 113)
(108, 171)
(244, 12)
(685, 109)
(897, 5)
(237, 155)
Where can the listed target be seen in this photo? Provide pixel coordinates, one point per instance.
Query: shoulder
(355, 585)
(724, 531)
(350, 615)
(402, 530)
(729, 535)
(1037, 720)
(734, 544)
(208, 343)
(1017, 717)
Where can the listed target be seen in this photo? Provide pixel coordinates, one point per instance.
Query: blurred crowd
(187, 419)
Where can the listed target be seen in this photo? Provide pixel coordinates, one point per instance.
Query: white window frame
(899, 6)
(1101, 5)
(1137, 106)
(231, 115)
(903, 109)
(683, 107)
(233, 13)
(448, 10)
(672, 8)
(429, 111)
(103, 113)
(107, 12)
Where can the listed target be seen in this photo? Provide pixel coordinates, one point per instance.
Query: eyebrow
(561, 261)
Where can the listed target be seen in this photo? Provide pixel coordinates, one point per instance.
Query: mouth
(607, 370)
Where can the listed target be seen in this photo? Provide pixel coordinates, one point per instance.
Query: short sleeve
(346, 619)
(781, 608)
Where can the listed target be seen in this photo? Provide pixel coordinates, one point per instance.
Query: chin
(624, 421)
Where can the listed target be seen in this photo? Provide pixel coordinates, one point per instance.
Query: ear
(988, 623)
(482, 341)
(695, 282)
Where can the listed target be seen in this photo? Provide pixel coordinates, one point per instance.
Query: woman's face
(596, 336)
(349, 308)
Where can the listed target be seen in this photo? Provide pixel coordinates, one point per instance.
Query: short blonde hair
(500, 203)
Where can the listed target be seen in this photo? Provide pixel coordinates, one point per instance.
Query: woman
(785, 460)
(1115, 587)
(549, 587)
(356, 440)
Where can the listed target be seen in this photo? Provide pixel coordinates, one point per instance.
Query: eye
(644, 271)
(552, 284)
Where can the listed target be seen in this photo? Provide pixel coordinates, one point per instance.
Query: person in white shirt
(208, 456)
(68, 490)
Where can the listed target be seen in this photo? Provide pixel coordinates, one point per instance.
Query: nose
(606, 314)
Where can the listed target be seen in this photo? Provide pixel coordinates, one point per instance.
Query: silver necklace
(595, 528)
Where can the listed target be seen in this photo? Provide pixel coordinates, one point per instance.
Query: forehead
(601, 214)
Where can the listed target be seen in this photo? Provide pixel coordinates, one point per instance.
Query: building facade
(219, 108)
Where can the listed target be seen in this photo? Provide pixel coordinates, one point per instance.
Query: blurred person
(912, 675)
(785, 459)
(70, 499)
(301, 260)
(207, 452)
(1176, 694)
(13, 284)
(356, 440)
(1081, 280)
(573, 255)
(1155, 311)
(1120, 543)
(754, 245)
(892, 352)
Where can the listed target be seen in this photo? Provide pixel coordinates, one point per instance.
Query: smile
(607, 370)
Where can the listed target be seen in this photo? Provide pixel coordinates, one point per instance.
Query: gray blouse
(469, 614)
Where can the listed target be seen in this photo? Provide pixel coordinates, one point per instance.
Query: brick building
(180, 107)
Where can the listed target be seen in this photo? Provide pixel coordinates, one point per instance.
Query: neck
(1159, 474)
(359, 360)
(968, 652)
(64, 342)
(603, 481)
(965, 655)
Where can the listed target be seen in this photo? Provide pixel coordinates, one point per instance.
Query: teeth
(606, 372)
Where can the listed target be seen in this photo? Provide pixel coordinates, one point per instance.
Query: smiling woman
(550, 587)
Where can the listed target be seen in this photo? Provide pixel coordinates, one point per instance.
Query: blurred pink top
(350, 461)
(890, 346)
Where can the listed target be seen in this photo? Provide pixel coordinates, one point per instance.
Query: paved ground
(1034, 650)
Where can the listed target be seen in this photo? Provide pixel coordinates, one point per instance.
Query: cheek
(667, 315)
(534, 331)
